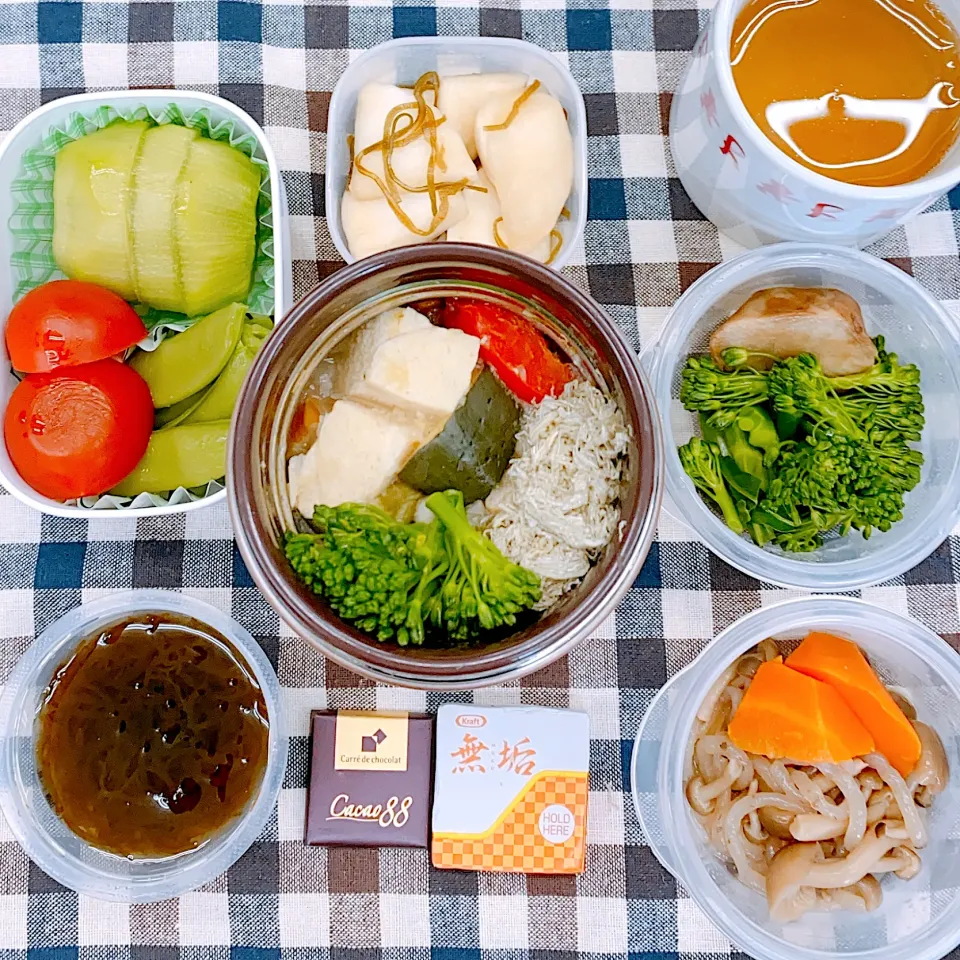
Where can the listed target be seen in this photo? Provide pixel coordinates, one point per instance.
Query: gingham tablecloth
(645, 243)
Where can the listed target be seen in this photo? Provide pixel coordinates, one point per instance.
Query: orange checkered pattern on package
(516, 843)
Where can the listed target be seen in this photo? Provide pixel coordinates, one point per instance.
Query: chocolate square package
(370, 779)
(511, 789)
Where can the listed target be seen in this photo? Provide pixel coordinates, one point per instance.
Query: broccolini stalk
(746, 456)
(761, 432)
(482, 583)
(701, 463)
(798, 386)
(721, 393)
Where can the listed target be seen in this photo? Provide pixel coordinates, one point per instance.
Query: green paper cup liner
(33, 264)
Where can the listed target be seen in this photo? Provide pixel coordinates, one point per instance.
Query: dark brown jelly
(152, 736)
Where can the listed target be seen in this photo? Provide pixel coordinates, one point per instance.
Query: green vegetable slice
(156, 270)
(92, 203)
(184, 364)
(218, 402)
(178, 412)
(739, 481)
(761, 432)
(474, 448)
(188, 455)
(216, 225)
(747, 457)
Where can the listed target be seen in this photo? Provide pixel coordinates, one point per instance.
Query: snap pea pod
(188, 455)
(187, 362)
(171, 416)
(218, 402)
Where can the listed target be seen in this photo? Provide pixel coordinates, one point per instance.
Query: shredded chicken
(811, 837)
(557, 505)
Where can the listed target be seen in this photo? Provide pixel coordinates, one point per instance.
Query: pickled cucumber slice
(185, 363)
(155, 177)
(92, 202)
(189, 455)
(216, 225)
(218, 402)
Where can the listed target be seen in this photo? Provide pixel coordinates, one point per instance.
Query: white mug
(755, 192)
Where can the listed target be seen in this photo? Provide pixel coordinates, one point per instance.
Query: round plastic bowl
(915, 326)
(919, 919)
(46, 839)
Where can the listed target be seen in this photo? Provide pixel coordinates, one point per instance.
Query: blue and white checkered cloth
(644, 244)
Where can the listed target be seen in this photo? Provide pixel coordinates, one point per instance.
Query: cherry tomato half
(78, 431)
(516, 350)
(69, 322)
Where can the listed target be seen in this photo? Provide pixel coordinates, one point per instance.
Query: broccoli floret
(838, 455)
(367, 566)
(701, 462)
(482, 585)
(721, 393)
(798, 387)
(861, 483)
(397, 580)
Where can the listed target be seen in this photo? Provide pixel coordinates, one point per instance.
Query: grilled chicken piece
(787, 321)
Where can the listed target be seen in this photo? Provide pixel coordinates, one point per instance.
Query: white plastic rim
(682, 501)
(403, 60)
(62, 854)
(662, 743)
(28, 133)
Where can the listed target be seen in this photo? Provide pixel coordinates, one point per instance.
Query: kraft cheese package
(511, 789)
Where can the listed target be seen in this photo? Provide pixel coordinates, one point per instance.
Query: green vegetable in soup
(475, 446)
(188, 455)
(92, 203)
(401, 581)
(186, 362)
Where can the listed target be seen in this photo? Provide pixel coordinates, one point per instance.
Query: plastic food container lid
(46, 839)
(915, 326)
(404, 60)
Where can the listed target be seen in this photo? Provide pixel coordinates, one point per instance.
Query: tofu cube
(370, 337)
(426, 372)
(357, 453)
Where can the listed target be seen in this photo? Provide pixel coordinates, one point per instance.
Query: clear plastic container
(404, 60)
(915, 326)
(46, 839)
(918, 919)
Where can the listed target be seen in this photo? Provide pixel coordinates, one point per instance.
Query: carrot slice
(841, 664)
(786, 714)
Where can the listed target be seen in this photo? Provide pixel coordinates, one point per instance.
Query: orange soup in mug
(863, 91)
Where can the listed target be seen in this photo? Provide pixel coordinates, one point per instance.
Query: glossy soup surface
(864, 91)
